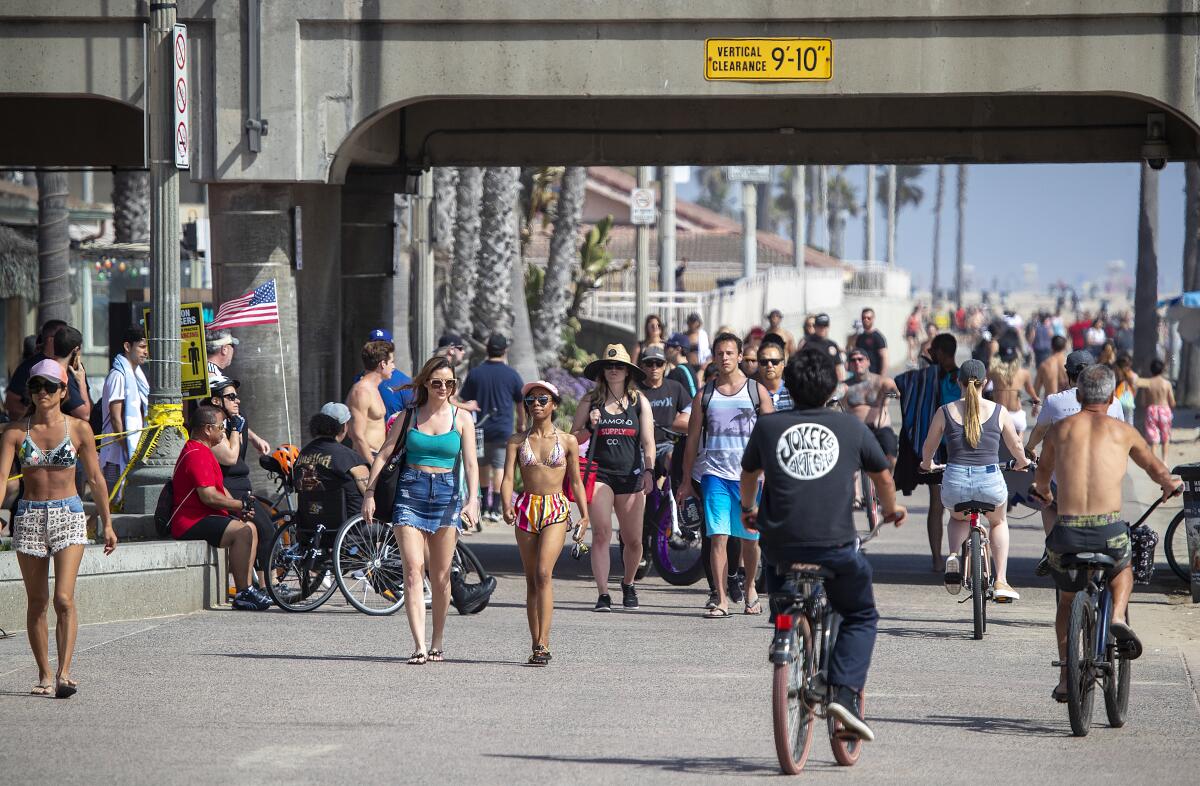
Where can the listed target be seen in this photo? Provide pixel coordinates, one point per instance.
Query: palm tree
(937, 232)
(715, 185)
(1189, 374)
(1145, 299)
(560, 268)
(907, 193)
(54, 247)
(843, 202)
(131, 206)
(445, 206)
(492, 310)
(463, 270)
(960, 247)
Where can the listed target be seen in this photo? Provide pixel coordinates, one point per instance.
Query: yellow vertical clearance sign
(193, 373)
(768, 59)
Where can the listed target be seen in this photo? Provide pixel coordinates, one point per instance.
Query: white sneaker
(953, 576)
(1004, 593)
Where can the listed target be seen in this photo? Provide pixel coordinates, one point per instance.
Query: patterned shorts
(44, 528)
(1102, 533)
(535, 512)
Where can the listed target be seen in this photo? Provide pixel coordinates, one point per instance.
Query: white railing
(872, 278)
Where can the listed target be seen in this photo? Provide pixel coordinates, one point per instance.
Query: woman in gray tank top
(971, 429)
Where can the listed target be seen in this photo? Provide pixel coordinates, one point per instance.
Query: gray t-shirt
(1064, 404)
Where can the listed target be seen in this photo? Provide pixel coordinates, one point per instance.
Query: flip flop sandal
(65, 689)
(1059, 696)
(418, 659)
(437, 656)
(42, 689)
(1128, 644)
(716, 613)
(753, 608)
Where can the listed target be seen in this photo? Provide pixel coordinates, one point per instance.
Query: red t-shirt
(1078, 331)
(197, 467)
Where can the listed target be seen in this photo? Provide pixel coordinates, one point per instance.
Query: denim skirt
(427, 501)
(974, 484)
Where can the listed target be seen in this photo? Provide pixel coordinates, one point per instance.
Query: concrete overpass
(356, 97)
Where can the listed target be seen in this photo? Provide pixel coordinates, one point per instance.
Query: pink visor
(539, 384)
(49, 369)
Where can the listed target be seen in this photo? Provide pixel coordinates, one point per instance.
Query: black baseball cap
(497, 343)
(1077, 361)
(652, 352)
(451, 340)
(821, 320)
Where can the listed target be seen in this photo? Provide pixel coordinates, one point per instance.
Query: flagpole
(287, 416)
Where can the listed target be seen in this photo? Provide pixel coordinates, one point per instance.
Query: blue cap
(679, 340)
(379, 334)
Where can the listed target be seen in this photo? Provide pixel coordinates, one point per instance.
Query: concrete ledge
(138, 580)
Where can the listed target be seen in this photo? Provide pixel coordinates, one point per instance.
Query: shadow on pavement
(1018, 727)
(401, 659)
(710, 765)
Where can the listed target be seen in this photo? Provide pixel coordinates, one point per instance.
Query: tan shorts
(44, 528)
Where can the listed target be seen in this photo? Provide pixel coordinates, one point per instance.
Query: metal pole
(160, 446)
(424, 277)
(666, 230)
(799, 228)
(891, 215)
(641, 301)
(869, 223)
(749, 229)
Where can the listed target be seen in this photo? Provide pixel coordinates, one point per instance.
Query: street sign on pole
(192, 355)
(641, 206)
(748, 174)
(182, 130)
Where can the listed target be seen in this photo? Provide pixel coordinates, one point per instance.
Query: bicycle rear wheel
(299, 578)
(847, 747)
(1176, 548)
(367, 566)
(978, 588)
(791, 714)
(1116, 685)
(1080, 670)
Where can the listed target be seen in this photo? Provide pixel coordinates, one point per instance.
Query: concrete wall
(138, 580)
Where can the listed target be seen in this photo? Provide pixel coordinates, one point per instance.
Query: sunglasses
(541, 400)
(231, 397)
(771, 361)
(38, 384)
(614, 366)
(654, 363)
(443, 384)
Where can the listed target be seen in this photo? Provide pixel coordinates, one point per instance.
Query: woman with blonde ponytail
(973, 428)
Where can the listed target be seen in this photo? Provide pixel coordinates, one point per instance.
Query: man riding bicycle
(809, 454)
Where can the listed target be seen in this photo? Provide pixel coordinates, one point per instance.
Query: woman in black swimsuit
(614, 413)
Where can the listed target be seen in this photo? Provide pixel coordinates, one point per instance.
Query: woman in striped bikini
(541, 512)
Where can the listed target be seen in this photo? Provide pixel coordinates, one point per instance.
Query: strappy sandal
(65, 689)
(437, 656)
(418, 659)
(716, 613)
(42, 689)
(753, 608)
(540, 657)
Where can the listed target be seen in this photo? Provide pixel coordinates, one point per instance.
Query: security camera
(1155, 151)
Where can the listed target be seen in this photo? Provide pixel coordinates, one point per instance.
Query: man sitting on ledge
(201, 506)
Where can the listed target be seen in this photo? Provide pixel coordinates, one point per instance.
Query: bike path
(658, 696)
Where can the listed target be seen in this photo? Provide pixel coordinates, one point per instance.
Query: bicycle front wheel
(298, 576)
(978, 585)
(791, 714)
(1176, 548)
(870, 501)
(367, 566)
(677, 559)
(1080, 658)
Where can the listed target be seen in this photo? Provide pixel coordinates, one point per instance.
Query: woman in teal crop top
(428, 505)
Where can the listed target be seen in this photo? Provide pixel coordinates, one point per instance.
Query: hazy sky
(1068, 219)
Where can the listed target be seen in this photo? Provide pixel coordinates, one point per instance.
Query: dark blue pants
(851, 596)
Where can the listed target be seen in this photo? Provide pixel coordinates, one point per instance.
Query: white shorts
(44, 528)
(1019, 421)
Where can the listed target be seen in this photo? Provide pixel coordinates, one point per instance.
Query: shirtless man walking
(368, 414)
(1088, 454)
(867, 399)
(1052, 372)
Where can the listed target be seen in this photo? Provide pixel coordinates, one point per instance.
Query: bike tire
(310, 593)
(791, 714)
(869, 500)
(978, 590)
(1116, 686)
(1176, 548)
(847, 748)
(678, 567)
(368, 568)
(1081, 682)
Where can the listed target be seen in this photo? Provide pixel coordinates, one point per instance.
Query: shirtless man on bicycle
(866, 398)
(1088, 454)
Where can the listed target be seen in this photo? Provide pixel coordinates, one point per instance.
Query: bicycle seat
(974, 507)
(809, 570)
(1087, 559)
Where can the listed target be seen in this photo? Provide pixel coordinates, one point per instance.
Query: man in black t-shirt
(820, 341)
(669, 402)
(325, 463)
(63, 343)
(809, 456)
(872, 343)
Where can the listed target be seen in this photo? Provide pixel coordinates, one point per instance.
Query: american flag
(259, 307)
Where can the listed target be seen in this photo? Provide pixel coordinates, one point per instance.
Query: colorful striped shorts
(535, 512)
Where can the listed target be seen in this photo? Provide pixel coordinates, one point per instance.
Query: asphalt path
(658, 696)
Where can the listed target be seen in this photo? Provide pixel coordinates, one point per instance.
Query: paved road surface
(656, 696)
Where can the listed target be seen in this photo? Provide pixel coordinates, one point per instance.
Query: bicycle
(1175, 546)
(805, 632)
(1093, 653)
(672, 542)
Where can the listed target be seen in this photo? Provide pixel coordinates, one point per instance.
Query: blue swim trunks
(723, 508)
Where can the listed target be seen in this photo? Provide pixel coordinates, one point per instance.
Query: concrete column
(891, 215)
(749, 230)
(799, 226)
(642, 295)
(666, 230)
(253, 242)
(423, 280)
(368, 212)
(869, 219)
(163, 371)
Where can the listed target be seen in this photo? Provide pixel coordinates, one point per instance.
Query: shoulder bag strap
(402, 439)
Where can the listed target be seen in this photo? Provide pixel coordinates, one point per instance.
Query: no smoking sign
(179, 103)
